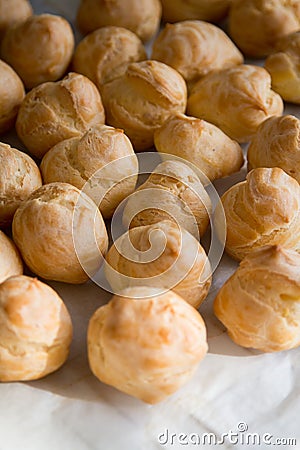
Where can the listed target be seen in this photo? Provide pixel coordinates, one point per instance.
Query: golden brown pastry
(284, 67)
(145, 343)
(263, 210)
(105, 54)
(161, 255)
(12, 94)
(277, 144)
(13, 12)
(172, 191)
(60, 233)
(195, 48)
(237, 100)
(142, 17)
(201, 143)
(39, 49)
(55, 111)
(260, 304)
(35, 330)
(10, 260)
(209, 10)
(142, 99)
(19, 177)
(255, 25)
(102, 162)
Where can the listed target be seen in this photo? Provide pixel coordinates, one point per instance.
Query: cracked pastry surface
(259, 305)
(13, 12)
(145, 343)
(10, 260)
(35, 329)
(208, 10)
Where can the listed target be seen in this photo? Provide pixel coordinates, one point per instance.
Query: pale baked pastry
(201, 143)
(13, 12)
(161, 255)
(237, 100)
(172, 191)
(260, 304)
(263, 210)
(284, 67)
(35, 330)
(12, 94)
(145, 343)
(55, 111)
(195, 48)
(209, 10)
(19, 177)
(142, 17)
(39, 49)
(105, 54)
(102, 162)
(142, 99)
(10, 260)
(255, 25)
(60, 233)
(277, 144)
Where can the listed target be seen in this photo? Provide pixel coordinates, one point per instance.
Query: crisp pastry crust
(255, 25)
(161, 255)
(195, 48)
(142, 99)
(101, 161)
(259, 305)
(173, 191)
(105, 54)
(60, 233)
(277, 144)
(39, 49)
(19, 177)
(284, 67)
(146, 344)
(208, 10)
(201, 143)
(13, 12)
(10, 260)
(12, 94)
(35, 330)
(237, 100)
(55, 111)
(263, 210)
(142, 17)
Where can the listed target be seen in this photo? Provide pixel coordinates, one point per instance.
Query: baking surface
(234, 389)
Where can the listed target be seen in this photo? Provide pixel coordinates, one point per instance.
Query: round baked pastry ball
(263, 210)
(102, 162)
(10, 260)
(13, 12)
(195, 48)
(277, 144)
(39, 49)
(173, 191)
(60, 233)
(12, 94)
(255, 25)
(201, 143)
(142, 17)
(160, 255)
(145, 343)
(284, 67)
(209, 10)
(259, 305)
(142, 99)
(55, 111)
(237, 100)
(19, 177)
(35, 330)
(105, 54)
